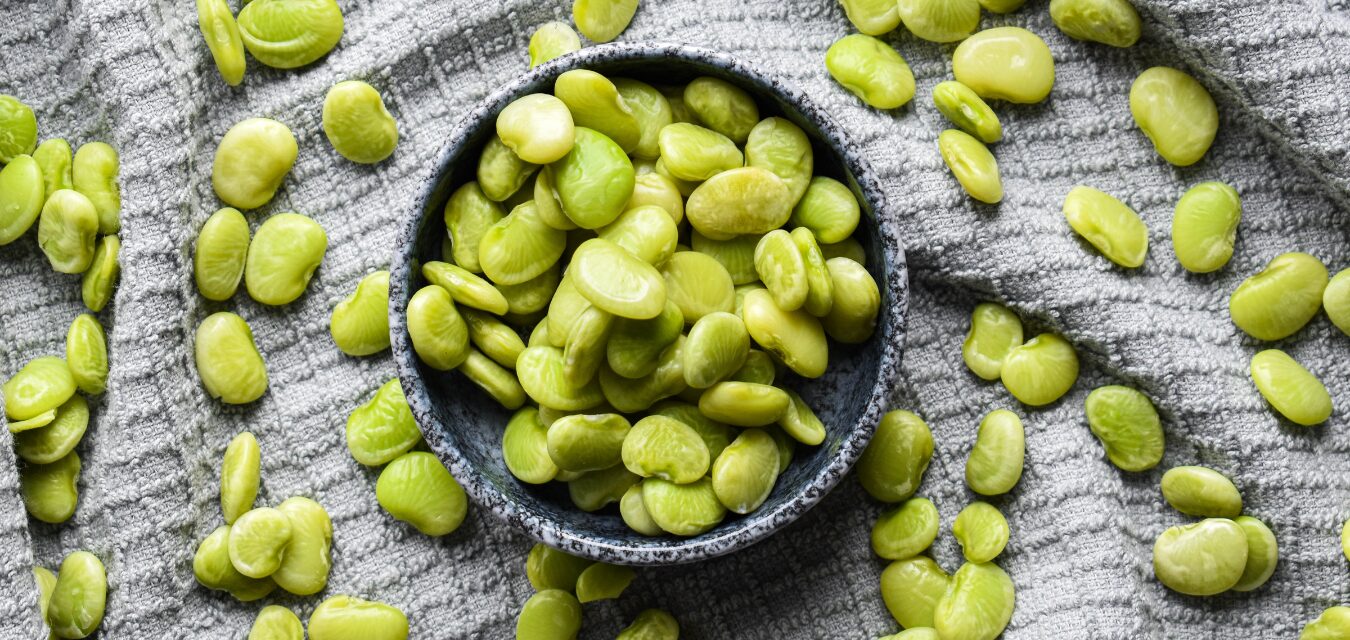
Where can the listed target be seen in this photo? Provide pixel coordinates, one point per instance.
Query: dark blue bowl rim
(890, 333)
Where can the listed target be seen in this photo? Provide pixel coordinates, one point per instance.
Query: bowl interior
(463, 425)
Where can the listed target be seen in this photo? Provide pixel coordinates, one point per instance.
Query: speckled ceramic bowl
(464, 426)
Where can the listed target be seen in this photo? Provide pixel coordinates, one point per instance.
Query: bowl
(464, 426)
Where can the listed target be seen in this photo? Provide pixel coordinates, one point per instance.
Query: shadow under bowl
(464, 426)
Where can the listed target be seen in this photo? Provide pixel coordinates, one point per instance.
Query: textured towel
(137, 75)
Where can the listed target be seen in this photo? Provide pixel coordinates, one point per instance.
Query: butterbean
(537, 127)
(94, 174)
(965, 109)
(856, 301)
(1128, 426)
(228, 361)
(18, 129)
(722, 107)
(360, 322)
(304, 569)
(996, 459)
(940, 20)
(286, 34)
(87, 354)
(22, 195)
(383, 428)
(1204, 226)
(602, 581)
(213, 569)
(911, 590)
(978, 603)
(439, 335)
(416, 488)
(782, 147)
(50, 491)
(745, 473)
(1201, 492)
(892, 466)
(1278, 301)
(1336, 300)
(683, 509)
(552, 40)
(603, 20)
(357, 124)
(1293, 390)
(276, 623)
(54, 158)
(1176, 113)
(1113, 22)
(348, 618)
(1263, 553)
(871, 70)
(52, 442)
(872, 17)
(906, 530)
(972, 164)
(220, 255)
(994, 332)
(651, 624)
(253, 158)
(1040, 371)
(285, 251)
(551, 614)
(67, 231)
(1005, 63)
(258, 541)
(79, 597)
(468, 215)
(982, 532)
(594, 180)
(239, 473)
(1201, 559)
(97, 282)
(221, 32)
(1107, 224)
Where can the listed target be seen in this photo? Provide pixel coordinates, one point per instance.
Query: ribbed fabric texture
(138, 75)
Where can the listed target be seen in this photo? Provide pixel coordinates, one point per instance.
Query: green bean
(996, 459)
(683, 509)
(94, 174)
(1040, 371)
(940, 20)
(722, 107)
(439, 335)
(51, 492)
(665, 448)
(18, 129)
(1345, 540)
(1263, 554)
(383, 428)
(79, 597)
(602, 581)
(1128, 426)
(87, 354)
(982, 532)
(228, 361)
(994, 333)
(304, 569)
(220, 255)
(1005, 63)
(978, 603)
(594, 180)
(872, 70)
(911, 590)
(651, 624)
(972, 164)
(43, 384)
(276, 623)
(1107, 224)
(905, 530)
(551, 614)
(548, 568)
(416, 488)
(525, 448)
(635, 515)
(552, 40)
(258, 541)
(593, 490)
(213, 569)
(1176, 113)
(21, 194)
(698, 284)
(67, 230)
(285, 251)
(54, 158)
(1336, 300)
(1293, 390)
(357, 124)
(254, 156)
(348, 618)
(221, 32)
(286, 34)
(1112, 22)
(872, 17)
(782, 147)
(1277, 302)
(1333, 624)
(239, 472)
(1201, 492)
(1204, 226)
(965, 109)
(892, 466)
(1201, 559)
(52, 442)
(468, 215)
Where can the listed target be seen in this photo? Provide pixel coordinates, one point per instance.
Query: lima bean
(856, 302)
(965, 109)
(872, 17)
(722, 107)
(1107, 224)
(276, 622)
(1336, 300)
(666, 448)
(42, 384)
(357, 124)
(1278, 301)
(416, 488)
(87, 354)
(551, 614)
(348, 618)
(892, 466)
(1005, 63)
(1204, 226)
(304, 569)
(285, 251)
(940, 20)
(67, 231)
(94, 174)
(552, 40)
(911, 590)
(1128, 426)
(972, 164)
(258, 541)
(1289, 387)
(745, 200)
(228, 361)
(468, 215)
(602, 581)
(872, 70)
(634, 513)
(220, 255)
(360, 322)
(587, 442)
(1201, 492)
(439, 335)
(603, 20)
(994, 332)
(58, 438)
(977, 605)
(996, 459)
(54, 157)
(96, 284)
(21, 196)
(593, 490)
(782, 147)
(1176, 113)
(1201, 559)
(982, 532)
(51, 492)
(693, 153)
(548, 568)
(594, 180)
(905, 530)
(537, 127)
(239, 471)
(1112, 22)
(1040, 371)
(1263, 553)
(383, 428)
(525, 448)
(745, 473)
(18, 129)
(79, 597)
(253, 158)
(1333, 624)
(286, 34)
(651, 624)
(683, 509)
(221, 32)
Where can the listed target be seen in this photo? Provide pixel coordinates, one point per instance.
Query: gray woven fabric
(137, 75)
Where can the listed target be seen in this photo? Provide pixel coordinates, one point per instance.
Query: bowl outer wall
(563, 526)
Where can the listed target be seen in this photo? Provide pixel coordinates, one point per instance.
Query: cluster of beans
(625, 317)
(76, 202)
(1180, 118)
(283, 34)
(562, 583)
